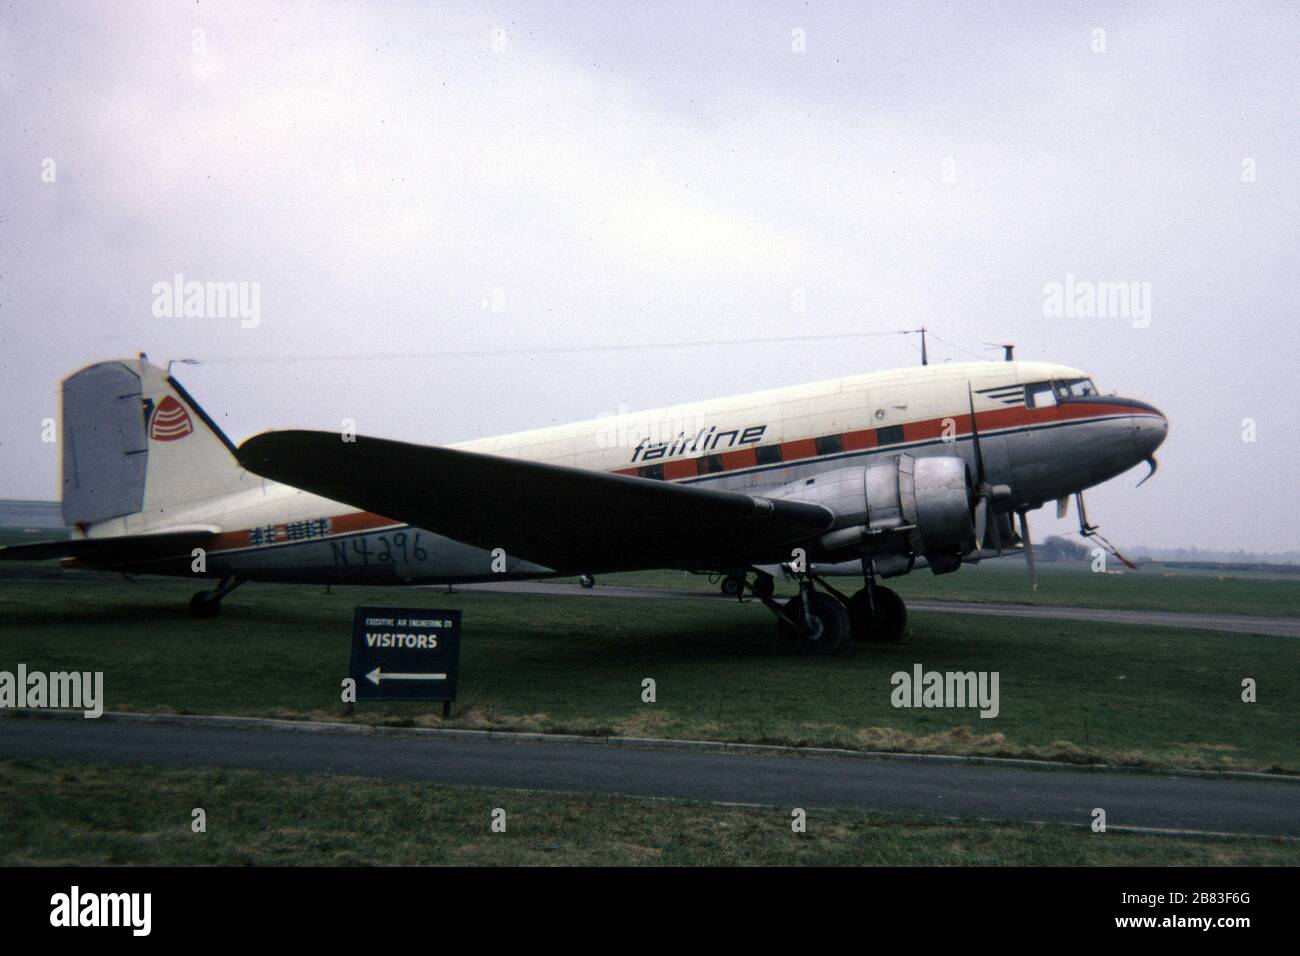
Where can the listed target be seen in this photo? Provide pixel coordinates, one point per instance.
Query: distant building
(31, 514)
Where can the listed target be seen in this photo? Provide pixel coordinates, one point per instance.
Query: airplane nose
(1149, 433)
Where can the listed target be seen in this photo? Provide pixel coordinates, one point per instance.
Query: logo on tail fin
(170, 421)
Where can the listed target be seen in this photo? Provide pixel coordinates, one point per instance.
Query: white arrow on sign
(376, 675)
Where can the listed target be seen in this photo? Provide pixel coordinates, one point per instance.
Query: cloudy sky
(405, 181)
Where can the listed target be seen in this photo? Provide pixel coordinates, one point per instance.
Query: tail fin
(134, 441)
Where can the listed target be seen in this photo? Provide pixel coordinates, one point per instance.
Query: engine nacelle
(896, 509)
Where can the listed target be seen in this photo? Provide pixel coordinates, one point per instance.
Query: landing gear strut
(208, 603)
(876, 612)
(816, 622)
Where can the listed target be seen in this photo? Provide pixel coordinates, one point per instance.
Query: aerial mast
(925, 360)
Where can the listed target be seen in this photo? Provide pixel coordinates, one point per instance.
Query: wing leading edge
(568, 519)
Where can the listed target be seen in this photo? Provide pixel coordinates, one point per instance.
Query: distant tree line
(1240, 556)
(1057, 549)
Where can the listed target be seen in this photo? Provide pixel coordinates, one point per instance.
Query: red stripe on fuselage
(794, 451)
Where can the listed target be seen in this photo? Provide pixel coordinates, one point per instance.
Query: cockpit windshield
(1045, 394)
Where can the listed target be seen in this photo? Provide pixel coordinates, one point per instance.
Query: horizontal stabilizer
(117, 551)
(567, 519)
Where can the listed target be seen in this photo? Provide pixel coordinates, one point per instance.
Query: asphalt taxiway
(920, 787)
(1232, 623)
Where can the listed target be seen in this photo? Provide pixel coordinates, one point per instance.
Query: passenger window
(829, 445)
(767, 454)
(889, 435)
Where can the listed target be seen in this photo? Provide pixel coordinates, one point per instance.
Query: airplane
(879, 473)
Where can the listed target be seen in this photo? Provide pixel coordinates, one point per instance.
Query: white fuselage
(1041, 450)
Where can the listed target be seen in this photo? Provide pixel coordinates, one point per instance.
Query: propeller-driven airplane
(879, 473)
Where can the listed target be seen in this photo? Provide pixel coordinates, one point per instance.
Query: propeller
(982, 487)
(984, 515)
(1029, 549)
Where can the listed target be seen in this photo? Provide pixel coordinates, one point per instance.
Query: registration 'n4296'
(390, 548)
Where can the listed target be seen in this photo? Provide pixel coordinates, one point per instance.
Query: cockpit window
(1047, 394)
(1040, 395)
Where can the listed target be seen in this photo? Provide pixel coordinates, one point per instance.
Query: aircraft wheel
(587, 581)
(830, 631)
(732, 586)
(889, 622)
(204, 605)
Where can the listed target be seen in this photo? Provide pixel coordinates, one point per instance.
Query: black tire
(831, 628)
(732, 586)
(764, 586)
(587, 581)
(203, 605)
(889, 623)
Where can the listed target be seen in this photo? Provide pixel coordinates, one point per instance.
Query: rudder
(134, 441)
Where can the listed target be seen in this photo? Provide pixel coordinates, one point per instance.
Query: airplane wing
(568, 519)
(116, 551)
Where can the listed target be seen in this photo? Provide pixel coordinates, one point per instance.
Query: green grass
(1070, 691)
(63, 813)
(1005, 581)
(14, 536)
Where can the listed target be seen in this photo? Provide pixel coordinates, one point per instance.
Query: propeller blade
(982, 487)
(975, 440)
(1154, 465)
(981, 524)
(994, 523)
(1029, 549)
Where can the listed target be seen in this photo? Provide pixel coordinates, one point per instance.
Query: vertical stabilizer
(134, 441)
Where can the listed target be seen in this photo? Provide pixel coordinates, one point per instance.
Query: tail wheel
(888, 623)
(829, 632)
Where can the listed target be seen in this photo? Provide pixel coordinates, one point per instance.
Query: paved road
(912, 787)
(1233, 623)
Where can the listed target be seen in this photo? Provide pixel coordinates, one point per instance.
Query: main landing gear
(826, 621)
(208, 603)
(877, 613)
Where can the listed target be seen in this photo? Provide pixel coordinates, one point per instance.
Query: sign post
(406, 654)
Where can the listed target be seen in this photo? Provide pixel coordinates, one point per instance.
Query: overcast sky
(410, 179)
